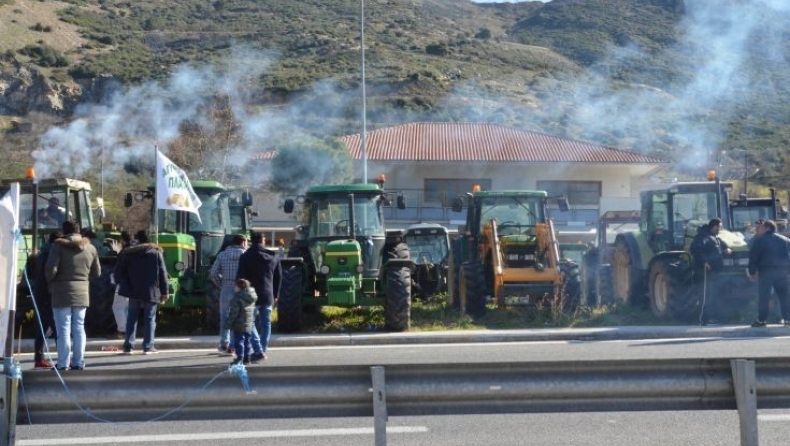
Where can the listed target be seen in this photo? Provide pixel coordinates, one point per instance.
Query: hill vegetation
(663, 77)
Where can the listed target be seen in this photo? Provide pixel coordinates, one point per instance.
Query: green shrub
(45, 56)
(436, 49)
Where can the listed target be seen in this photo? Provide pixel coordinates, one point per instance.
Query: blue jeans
(70, 321)
(265, 326)
(131, 324)
(225, 294)
(225, 339)
(241, 343)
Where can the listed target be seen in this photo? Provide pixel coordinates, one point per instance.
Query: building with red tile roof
(433, 162)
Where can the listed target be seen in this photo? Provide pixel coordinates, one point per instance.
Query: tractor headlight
(179, 266)
(324, 269)
(360, 268)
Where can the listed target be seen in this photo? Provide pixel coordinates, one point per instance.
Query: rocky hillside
(700, 83)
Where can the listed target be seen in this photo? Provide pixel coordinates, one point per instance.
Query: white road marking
(221, 436)
(774, 417)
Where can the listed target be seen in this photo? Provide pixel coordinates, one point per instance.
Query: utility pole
(745, 171)
(364, 98)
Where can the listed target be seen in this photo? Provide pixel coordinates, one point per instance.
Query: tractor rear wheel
(212, 306)
(289, 302)
(397, 307)
(472, 287)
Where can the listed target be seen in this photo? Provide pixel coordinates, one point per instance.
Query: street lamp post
(363, 135)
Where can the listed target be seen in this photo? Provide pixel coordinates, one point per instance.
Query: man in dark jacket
(142, 277)
(769, 262)
(708, 252)
(72, 262)
(261, 266)
(43, 304)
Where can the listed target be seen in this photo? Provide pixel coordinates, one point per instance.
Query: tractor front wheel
(571, 289)
(603, 286)
(668, 297)
(397, 308)
(626, 286)
(472, 286)
(289, 302)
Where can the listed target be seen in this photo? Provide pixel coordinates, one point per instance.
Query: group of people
(62, 274)
(249, 283)
(769, 265)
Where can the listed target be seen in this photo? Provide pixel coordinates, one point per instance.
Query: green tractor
(654, 261)
(191, 245)
(343, 256)
(746, 210)
(43, 205)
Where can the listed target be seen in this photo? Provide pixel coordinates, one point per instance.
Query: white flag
(9, 227)
(173, 190)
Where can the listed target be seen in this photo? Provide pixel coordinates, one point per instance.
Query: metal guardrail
(412, 389)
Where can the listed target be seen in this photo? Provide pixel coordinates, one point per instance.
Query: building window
(443, 191)
(584, 193)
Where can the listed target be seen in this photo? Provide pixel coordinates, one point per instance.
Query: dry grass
(18, 19)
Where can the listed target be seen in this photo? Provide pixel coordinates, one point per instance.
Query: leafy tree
(308, 161)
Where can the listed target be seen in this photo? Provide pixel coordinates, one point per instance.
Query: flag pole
(156, 195)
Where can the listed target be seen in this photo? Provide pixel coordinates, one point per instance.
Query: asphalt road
(681, 428)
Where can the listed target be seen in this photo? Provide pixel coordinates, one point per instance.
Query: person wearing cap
(769, 261)
(54, 211)
(51, 216)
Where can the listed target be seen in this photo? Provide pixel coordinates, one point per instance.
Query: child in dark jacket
(241, 316)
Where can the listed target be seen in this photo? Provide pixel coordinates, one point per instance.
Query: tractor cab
(429, 247)
(745, 211)
(672, 216)
(338, 215)
(43, 206)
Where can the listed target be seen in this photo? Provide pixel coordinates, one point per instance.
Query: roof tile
(482, 142)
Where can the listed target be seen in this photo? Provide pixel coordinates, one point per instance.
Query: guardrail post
(379, 405)
(745, 385)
